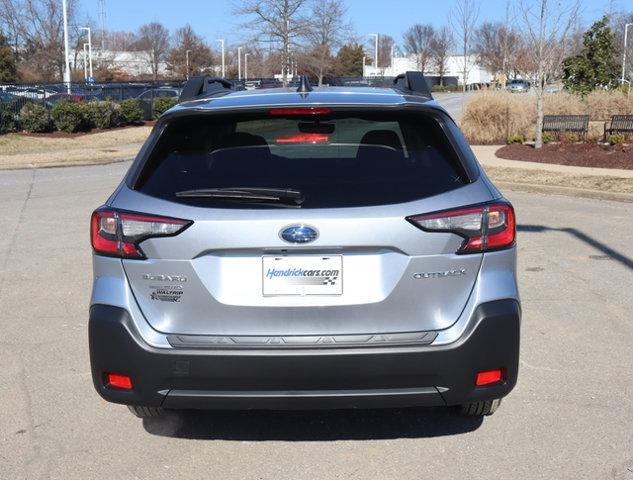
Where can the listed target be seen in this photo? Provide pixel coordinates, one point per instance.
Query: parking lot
(571, 415)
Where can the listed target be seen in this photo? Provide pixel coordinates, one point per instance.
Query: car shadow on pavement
(583, 237)
(326, 425)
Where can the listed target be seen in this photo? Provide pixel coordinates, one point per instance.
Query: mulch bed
(577, 154)
(58, 134)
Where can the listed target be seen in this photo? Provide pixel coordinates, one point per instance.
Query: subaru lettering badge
(299, 234)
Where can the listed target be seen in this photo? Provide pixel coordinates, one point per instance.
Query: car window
(336, 160)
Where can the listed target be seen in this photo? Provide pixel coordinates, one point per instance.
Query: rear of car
(335, 249)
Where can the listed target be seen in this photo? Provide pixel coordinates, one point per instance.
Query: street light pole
(364, 57)
(221, 40)
(626, 31)
(67, 59)
(375, 51)
(89, 46)
(239, 63)
(85, 63)
(246, 66)
(187, 56)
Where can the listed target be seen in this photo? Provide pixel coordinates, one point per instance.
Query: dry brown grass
(493, 117)
(21, 151)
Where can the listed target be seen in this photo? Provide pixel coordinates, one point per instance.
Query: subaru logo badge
(299, 234)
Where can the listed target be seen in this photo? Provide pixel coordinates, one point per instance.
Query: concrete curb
(567, 191)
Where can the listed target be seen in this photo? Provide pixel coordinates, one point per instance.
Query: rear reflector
(489, 377)
(116, 233)
(484, 227)
(303, 138)
(119, 381)
(301, 111)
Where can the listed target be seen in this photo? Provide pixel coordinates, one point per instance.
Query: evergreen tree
(596, 65)
(8, 67)
(349, 60)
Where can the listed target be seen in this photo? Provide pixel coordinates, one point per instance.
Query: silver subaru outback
(305, 248)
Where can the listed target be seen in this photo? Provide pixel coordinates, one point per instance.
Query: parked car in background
(518, 85)
(146, 99)
(70, 97)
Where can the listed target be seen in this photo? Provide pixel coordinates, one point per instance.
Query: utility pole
(246, 66)
(239, 63)
(89, 47)
(375, 51)
(67, 59)
(626, 32)
(221, 40)
(187, 60)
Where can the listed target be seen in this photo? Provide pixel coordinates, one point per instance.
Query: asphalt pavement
(570, 416)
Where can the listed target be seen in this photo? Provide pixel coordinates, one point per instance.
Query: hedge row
(77, 117)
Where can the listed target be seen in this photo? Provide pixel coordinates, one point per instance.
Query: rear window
(333, 159)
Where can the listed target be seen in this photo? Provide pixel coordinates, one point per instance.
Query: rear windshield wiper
(284, 195)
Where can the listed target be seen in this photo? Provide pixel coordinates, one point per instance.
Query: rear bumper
(364, 377)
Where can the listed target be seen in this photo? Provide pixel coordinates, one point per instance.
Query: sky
(214, 19)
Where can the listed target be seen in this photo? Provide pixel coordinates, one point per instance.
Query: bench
(619, 124)
(558, 124)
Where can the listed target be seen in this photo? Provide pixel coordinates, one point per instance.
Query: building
(454, 68)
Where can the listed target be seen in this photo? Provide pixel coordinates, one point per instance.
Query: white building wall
(454, 68)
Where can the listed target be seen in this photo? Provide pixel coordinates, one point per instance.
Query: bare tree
(35, 29)
(440, 48)
(464, 19)
(280, 21)
(153, 38)
(201, 59)
(417, 41)
(385, 45)
(326, 30)
(495, 45)
(547, 24)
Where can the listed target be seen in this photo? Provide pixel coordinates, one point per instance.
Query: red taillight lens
(301, 111)
(303, 138)
(489, 377)
(119, 381)
(485, 227)
(118, 234)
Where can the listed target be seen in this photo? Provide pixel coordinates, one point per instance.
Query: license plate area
(302, 275)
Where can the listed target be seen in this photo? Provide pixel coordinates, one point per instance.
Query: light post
(89, 47)
(239, 63)
(626, 31)
(364, 57)
(392, 57)
(246, 66)
(221, 40)
(85, 63)
(67, 59)
(375, 50)
(187, 57)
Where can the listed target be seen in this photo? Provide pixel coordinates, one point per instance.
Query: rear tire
(146, 412)
(478, 409)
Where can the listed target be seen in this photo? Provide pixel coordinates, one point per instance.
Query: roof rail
(201, 86)
(412, 83)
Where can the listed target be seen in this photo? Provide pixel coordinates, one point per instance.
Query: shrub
(131, 113)
(34, 118)
(8, 121)
(161, 105)
(520, 139)
(570, 137)
(106, 114)
(548, 137)
(616, 139)
(71, 117)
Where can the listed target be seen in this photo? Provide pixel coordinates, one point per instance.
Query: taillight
(117, 233)
(301, 111)
(484, 227)
(303, 138)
